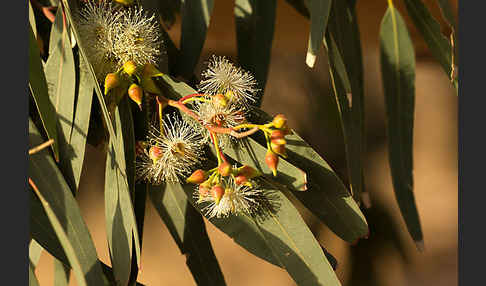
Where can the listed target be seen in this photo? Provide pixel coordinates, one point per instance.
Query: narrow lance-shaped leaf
(61, 80)
(35, 251)
(61, 273)
(345, 60)
(38, 89)
(187, 228)
(447, 13)
(196, 15)
(319, 14)
(32, 278)
(120, 218)
(63, 214)
(398, 70)
(255, 21)
(439, 46)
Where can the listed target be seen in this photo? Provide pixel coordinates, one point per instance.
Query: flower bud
(278, 148)
(125, 2)
(197, 177)
(241, 179)
(112, 80)
(130, 67)
(279, 141)
(220, 100)
(279, 121)
(135, 93)
(225, 169)
(155, 153)
(248, 172)
(272, 161)
(217, 192)
(203, 191)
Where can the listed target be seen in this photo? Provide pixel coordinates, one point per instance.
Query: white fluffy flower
(219, 116)
(98, 23)
(222, 76)
(180, 150)
(236, 199)
(138, 39)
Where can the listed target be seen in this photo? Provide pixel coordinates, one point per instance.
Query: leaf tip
(310, 59)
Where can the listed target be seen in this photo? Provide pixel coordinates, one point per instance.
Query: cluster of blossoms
(123, 49)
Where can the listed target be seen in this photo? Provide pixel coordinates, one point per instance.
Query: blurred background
(389, 256)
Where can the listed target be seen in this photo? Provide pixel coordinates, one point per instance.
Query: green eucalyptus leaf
(61, 273)
(39, 90)
(121, 225)
(187, 228)
(196, 15)
(63, 214)
(439, 46)
(255, 21)
(319, 15)
(398, 70)
(346, 64)
(32, 20)
(35, 251)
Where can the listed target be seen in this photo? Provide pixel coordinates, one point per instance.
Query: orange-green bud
(217, 192)
(125, 2)
(241, 179)
(279, 121)
(278, 141)
(278, 148)
(112, 80)
(277, 134)
(272, 161)
(225, 169)
(135, 93)
(130, 67)
(220, 100)
(197, 177)
(248, 172)
(155, 153)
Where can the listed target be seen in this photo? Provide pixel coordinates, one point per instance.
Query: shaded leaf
(79, 133)
(255, 21)
(38, 89)
(187, 228)
(398, 71)
(61, 273)
(346, 64)
(439, 45)
(319, 14)
(63, 214)
(196, 15)
(447, 13)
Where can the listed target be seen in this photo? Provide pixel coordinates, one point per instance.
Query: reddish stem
(45, 10)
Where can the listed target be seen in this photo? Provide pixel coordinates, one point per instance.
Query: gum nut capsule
(248, 172)
(241, 179)
(279, 149)
(279, 121)
(225, 169)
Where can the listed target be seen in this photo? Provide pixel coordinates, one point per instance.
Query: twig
(41, 146)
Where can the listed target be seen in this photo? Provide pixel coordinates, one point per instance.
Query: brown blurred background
(389, 256)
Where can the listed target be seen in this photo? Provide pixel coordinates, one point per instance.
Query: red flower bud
(220, 100)
(241, 179)
(217, 192)
(279, 121)
(203, 190)
(272, 161)
(155, 153)
(135, 93)
(197, 177)
(248, 172)
(279, 149)
(225, 169)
